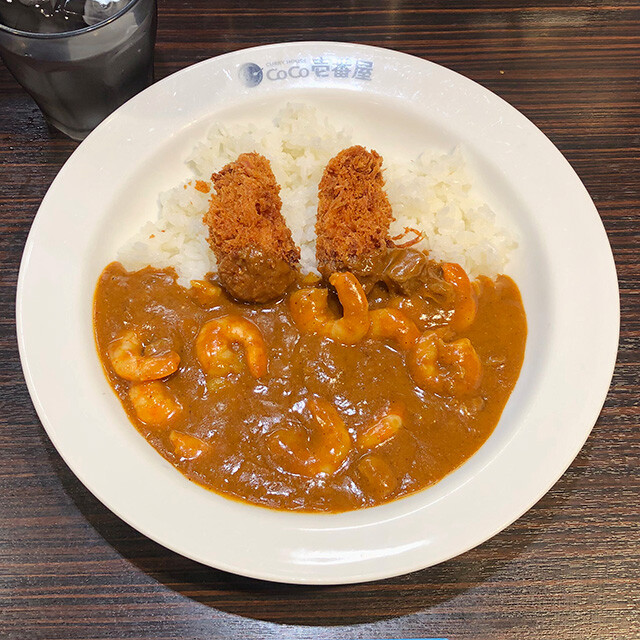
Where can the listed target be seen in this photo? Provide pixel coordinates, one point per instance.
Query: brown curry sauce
(236, 416)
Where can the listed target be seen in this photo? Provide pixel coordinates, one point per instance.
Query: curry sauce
(248, 427)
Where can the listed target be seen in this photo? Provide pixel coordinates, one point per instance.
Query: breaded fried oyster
(354, 214)
(256, 255)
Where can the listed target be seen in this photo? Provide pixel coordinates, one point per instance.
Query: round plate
(111, 184)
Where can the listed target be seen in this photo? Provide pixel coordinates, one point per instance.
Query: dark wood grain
(568, 569)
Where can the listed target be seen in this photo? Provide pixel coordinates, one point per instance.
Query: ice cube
(98, 10)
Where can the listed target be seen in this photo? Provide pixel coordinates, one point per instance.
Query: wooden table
(567, 569)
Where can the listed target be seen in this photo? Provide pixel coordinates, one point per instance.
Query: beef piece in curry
(256, 255)
(322, 400)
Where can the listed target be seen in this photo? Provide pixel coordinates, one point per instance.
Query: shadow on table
(334, 605)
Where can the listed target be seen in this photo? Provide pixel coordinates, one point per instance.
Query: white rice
(432, 193)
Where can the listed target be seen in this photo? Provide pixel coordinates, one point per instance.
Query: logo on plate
(250, 74)
(323, 69)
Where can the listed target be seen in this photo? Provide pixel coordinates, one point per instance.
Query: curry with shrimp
(315, 393)
(337, 395)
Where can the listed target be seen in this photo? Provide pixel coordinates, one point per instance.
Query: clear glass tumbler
(79, 77)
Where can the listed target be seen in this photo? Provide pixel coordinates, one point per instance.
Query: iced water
(77, 75)
(56, 16)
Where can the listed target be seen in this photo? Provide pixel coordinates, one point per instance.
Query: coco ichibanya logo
(250, 74)
(346, 69)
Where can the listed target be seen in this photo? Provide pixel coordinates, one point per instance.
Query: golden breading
(354, 214)
(245, 210)
(251, 241)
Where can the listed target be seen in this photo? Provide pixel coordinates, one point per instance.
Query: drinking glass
(78, 77)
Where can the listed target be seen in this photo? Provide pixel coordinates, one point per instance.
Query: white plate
(564, 268)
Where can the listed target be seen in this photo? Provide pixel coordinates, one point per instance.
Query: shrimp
(205, 293)
(465, 299)
(153, 403)
(446, 368)
(128, 361)
(323, 450)
(378, 476)
(187, 447)
(213, 347)
(392, 323)
(310, 311)
(384, 428)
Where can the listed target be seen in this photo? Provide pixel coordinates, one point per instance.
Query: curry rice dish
(304, 393)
